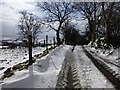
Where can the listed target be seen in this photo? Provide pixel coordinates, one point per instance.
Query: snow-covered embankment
(42, 74)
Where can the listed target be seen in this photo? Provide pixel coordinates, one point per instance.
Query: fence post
(51, 43)
(54, 41)
(44, 43)
(30, 49)
(119, 60)
(47, 43)
(39, 44)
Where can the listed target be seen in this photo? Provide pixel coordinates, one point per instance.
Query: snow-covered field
(42, 74)
(11, 57)
(111, 56)
(90, 76)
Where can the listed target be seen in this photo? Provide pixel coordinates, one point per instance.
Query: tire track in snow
(105, 70)
(68, 77)
(90, 76)
(86, 68)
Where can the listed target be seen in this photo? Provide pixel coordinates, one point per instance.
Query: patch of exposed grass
(20, 66)
(8, 73)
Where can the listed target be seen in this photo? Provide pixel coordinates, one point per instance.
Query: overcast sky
(9, 13)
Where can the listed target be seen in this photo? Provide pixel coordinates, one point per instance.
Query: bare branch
(29, 24)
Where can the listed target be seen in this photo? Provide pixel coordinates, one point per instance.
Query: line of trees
(103, 20)
(56, 12)
(71, 34)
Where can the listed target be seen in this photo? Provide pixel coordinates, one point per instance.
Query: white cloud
(9, 13)
(20, 4)
(11, 8)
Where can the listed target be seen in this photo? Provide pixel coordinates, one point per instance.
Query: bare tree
(107, 9)
(70, 33)
(111, 17)
(91, 12)
(29, 24)
(56, 12)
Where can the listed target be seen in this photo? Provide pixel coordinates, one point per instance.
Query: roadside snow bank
(42, 74)
(109, 57)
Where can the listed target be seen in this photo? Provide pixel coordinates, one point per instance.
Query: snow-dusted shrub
(100, 44)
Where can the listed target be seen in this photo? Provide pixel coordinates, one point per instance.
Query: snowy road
(68, 77)
(83, 69)
(75, 66)
(109, 57)
(90, 76)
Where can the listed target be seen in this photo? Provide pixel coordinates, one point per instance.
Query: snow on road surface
(42, 74)
(90, 76)
(111, 55)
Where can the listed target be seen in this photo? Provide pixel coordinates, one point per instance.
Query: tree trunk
(108, 33)
(30, 49)
(94, 24)
(93, 32)
(107, 22)
(58, 37)
(90, 29)
(57, 34)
